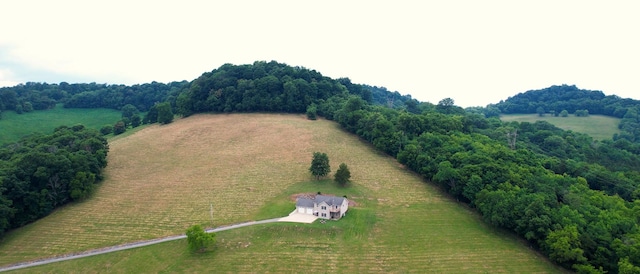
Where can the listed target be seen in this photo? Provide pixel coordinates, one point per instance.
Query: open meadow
(13, 126)
(599, 127)
(163, 179)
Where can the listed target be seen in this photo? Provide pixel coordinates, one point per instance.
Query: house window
(324, 207)
(324, 214)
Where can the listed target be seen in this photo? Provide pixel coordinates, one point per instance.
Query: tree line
(42, 172)
(41, 96)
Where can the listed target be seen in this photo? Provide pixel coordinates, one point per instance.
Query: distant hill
(556, 99)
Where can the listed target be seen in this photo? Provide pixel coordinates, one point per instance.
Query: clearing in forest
(163, 179)
(599, 127)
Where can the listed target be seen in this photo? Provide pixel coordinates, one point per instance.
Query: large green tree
(320, 165)
(128, 111)
(343, 175)
(119, 128)
(165, 115)
(199, 240)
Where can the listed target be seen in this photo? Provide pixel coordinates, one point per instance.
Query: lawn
(163, 179)
(13, 126)
(599, 127)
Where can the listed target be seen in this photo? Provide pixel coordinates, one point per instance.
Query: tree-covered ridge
(43, 172)
(269, 87)
(570, 99)
(261, 86)
(40, 96)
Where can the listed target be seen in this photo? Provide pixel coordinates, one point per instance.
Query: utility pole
(211, 212)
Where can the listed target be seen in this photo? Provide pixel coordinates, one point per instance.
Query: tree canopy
(342, 175)
(199, 240)
(320, 165)
(43, 172)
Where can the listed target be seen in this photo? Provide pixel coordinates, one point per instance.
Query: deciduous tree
(165, 115)
(564, 113)
(564, 246)
(136, 120)
(312, 112)
(320, 165)
(199, 240)
(128, 111)
(119, 128)
(343, 175)
(106, 129)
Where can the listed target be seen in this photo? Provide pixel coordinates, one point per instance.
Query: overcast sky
(475, 52)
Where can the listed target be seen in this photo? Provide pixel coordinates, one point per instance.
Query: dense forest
(42, 172)
(556, 99)
(41, 96)
(575, 199)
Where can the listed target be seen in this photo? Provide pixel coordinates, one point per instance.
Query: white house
(323, 206)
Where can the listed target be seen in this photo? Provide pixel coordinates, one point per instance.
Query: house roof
(304, 202)
(330, 200)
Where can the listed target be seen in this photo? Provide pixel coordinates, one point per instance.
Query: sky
(474, 52)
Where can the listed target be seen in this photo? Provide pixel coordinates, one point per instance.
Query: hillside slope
(164, 178)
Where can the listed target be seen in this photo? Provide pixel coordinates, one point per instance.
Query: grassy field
(599, 127)
(162, 179)
(13, 126)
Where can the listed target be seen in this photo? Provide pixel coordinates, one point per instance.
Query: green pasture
(438, 237)
(599, 127)
(13, 126)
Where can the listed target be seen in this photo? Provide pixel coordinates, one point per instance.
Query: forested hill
(262, 86)
(274, 87)
(575, 199)
(556, 99)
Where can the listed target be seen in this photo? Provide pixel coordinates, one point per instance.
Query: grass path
(162, 179)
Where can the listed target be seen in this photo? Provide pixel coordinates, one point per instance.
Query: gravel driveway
(293, 217)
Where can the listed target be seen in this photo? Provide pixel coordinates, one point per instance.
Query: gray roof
(304, 202)
(330, 200)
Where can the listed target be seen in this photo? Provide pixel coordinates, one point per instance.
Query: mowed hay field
(599, 127)
(13, 126)
(163, 179)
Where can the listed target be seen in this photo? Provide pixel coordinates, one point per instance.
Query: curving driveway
(293, 217)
